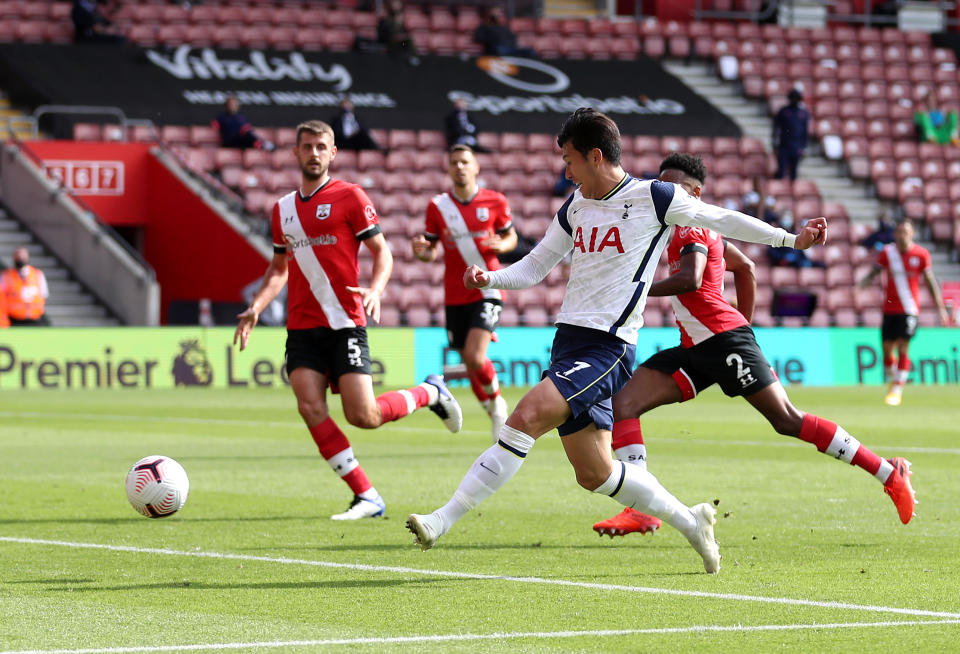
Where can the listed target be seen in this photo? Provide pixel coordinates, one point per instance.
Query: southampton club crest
(483, 214)
(323, 211)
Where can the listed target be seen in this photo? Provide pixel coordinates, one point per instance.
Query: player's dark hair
(460, 147)
(586, 129)
(690, 165)
(317, 127)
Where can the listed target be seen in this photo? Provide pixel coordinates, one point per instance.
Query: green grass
(795, 527)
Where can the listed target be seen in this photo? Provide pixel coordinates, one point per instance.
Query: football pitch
(814, 557)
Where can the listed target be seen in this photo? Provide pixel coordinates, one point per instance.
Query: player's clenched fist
(475, 277)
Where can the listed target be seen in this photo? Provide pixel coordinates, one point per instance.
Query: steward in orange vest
(25, 291)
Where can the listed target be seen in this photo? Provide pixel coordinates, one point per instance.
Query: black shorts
(332, 352)
(732, 359)
(461, 318)
(898, 326)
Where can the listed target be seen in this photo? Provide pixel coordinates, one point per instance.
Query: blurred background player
(236, 131)
(717, 346)
(904, 262)
(317, 232)
(790, 129)
(474, 225)
(614, 227)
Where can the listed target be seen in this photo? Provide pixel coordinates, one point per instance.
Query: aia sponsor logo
(595, 242)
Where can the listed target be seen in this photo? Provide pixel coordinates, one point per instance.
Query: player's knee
(787, 422)
(312, 412)
(591, 478)
(362, 418)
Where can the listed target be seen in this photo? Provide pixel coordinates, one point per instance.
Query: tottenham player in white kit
(615, 228)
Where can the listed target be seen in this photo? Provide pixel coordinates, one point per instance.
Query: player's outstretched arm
(273, 281)
(686, 280)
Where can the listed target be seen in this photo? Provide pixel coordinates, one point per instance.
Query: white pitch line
(439, 638)
(774, 441)
(487, 577)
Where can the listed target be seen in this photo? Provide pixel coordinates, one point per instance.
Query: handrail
(44, 109)
(81, 203)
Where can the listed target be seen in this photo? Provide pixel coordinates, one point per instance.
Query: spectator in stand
(460, 128)
(790, 127)
(90, 24)
(25, 291)
(882, 235)
(236, 131)
(349, 132)
(564, 186)
(393, 34)
(934, 125)
(497, 38)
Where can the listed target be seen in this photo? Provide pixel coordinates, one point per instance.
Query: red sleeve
(275, 231)
(504, 219)
(363, 215)
(882, 259)
(689, 235)
(434, 222)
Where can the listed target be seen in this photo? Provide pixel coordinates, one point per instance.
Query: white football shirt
(615, 244)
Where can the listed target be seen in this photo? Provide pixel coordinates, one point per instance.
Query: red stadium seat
(87, 132)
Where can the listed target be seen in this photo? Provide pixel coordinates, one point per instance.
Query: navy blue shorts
(588, 367)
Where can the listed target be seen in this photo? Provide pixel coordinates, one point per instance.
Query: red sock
(335, 449)
(889, 361)
(817, 431)
(487, 376)
(397, 404)
(477, 387)
(627, 432)
(821, 433)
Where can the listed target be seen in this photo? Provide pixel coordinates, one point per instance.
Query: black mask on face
(19, 263)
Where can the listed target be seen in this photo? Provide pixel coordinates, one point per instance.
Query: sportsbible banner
(187, 86)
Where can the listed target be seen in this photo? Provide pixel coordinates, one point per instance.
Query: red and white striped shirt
(704, 312)
(903, 277)
(321, 235)
(462, 228)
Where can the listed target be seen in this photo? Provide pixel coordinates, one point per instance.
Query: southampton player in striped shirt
(905, 262)
(474, 225)
(717, 346)
(614, 227)
(317, 232)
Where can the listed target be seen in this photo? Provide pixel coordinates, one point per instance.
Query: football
(157, 486)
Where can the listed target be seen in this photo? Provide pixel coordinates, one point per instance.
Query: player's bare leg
(588, 450)
(365, 410)
(834, 440)
(310, 388)
(646, 390)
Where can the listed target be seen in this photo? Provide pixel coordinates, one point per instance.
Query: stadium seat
(87, 132)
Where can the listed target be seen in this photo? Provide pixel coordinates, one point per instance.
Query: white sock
(635, 453)
(370, 494)
(433, 393)
(492, 469)
(635, 487)
(901, 376)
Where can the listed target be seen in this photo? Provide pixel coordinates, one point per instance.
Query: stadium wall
(170, 357)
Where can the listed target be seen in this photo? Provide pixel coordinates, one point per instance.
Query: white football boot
(426, 529)
(703, 540)
(446, 405)
(362, 508)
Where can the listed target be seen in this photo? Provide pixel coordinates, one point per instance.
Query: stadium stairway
(830, 176)
(69, 304)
